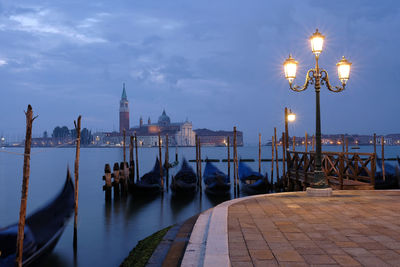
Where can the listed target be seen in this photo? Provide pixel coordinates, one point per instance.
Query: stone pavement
(351, 228)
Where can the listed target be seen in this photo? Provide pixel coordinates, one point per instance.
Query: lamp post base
(319, 192)
(319, 180)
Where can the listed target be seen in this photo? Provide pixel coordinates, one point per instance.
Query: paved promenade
(351, 228)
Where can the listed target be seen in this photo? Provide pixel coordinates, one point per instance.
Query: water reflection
(52, 260)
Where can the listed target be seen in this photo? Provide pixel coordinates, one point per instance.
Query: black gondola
(216, 182)
(251, 182)
(150, 183)
(42, 229)
(185, 181)
(392, 176)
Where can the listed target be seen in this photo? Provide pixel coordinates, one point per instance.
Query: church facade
(179, 133)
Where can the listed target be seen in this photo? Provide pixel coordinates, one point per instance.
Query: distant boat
(150, 183)
(42, 229)
(216, 182)
(251, 182)
(355, 147)
(185, 181)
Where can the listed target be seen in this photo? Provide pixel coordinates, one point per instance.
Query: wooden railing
(340, 168)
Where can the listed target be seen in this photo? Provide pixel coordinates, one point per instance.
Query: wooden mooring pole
(107, 178)
(131, 161)
(229, 159)
(283, 158)
(161, 165)
(25, 186)
(236, 160)
(383, 157)
(167, 160)
(76, 173)
(197, 159)
(276, 158)
(375, 147)
(342, 142)
(259, 153)
(313, 143)
(294, 143)
(137, 158)
(124, 146)
(116, 180)
(306, 142)
(286, 128)
(200, 176)
(272, 160)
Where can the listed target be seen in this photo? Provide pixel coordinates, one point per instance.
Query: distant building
(179, 133)
(218, 138)
(123, 112)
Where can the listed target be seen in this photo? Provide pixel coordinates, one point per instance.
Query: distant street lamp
(289, 117)
(317, 77)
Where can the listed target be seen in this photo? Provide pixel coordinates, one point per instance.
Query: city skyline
(218, 64)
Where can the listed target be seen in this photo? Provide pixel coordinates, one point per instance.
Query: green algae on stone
(141, 254)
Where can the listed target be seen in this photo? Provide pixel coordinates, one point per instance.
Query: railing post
(373, 169)
(383, 157)
(341, 170)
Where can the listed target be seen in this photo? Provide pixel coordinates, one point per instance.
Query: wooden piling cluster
(123, 173)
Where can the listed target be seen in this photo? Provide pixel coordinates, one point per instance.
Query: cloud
(45, 22)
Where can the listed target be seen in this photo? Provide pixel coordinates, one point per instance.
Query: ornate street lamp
(317, 77)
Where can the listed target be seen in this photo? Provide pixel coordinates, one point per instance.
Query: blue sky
(217, 63)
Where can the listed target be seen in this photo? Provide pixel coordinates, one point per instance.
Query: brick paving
(351, 228)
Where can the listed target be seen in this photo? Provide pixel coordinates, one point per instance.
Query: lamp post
(318, 77)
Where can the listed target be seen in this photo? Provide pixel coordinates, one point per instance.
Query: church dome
(164, 119)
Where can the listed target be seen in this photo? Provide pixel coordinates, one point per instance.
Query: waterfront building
(179, 133)
(218, 138)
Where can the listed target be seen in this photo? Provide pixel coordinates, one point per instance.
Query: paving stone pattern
(351, 228)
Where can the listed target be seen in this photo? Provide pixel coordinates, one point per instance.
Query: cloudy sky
(217, 63)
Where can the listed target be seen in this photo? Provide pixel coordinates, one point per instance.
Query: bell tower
(123, 112)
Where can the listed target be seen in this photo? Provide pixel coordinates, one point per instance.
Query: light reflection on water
(107, 231)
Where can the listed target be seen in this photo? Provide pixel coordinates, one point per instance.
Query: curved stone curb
(195, 250)
(208, 244)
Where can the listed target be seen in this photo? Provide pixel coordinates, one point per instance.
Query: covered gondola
(251, 182)
(185, 181)
(216, 182)
(42, 229)
(150, 183)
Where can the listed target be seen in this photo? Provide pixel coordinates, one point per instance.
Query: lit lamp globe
(343, 70)
(290, 66)
(291, 116)
(317, 42)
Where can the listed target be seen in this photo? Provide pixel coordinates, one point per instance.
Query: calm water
(108, 231)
